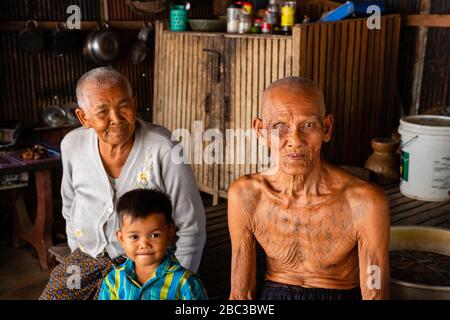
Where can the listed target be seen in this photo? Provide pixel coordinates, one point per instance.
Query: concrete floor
(20, 275)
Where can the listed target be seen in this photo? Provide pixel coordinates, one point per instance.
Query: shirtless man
(325, 232)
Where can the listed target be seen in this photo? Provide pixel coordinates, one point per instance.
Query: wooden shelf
(85, 25)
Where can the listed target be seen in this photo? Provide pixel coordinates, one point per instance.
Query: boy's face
(145, 240)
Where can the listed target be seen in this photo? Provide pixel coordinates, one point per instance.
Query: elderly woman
(112, 153)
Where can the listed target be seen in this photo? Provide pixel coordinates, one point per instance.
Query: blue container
(339, 13)
(178, 18)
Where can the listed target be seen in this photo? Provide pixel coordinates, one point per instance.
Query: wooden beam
(419, 61)
(427, 20)
(85, 25)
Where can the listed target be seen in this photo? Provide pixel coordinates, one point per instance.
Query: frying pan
(102, 45)
(31, 39)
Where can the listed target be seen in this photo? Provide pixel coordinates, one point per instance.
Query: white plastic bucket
(425, 157)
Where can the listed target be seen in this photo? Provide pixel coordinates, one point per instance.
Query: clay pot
(384, 163)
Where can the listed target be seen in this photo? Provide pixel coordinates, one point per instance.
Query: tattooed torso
(308, 246)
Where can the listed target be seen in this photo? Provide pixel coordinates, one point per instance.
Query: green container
(178, 18)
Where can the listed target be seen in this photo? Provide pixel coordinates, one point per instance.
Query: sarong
(79, 277)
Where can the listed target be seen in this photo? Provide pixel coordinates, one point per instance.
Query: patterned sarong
(79, 277)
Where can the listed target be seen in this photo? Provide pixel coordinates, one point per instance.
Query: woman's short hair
(103, 77)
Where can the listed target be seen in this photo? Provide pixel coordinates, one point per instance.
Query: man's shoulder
(353, 186)
(247, 186)
(366, 199)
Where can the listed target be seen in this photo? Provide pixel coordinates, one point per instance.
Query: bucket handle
(408, 142)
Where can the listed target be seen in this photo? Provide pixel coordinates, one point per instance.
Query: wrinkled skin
(112, 114)
(319, 225)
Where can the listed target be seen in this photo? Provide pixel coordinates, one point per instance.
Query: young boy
(151, 272)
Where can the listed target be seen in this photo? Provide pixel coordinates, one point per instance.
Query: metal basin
(424, 239)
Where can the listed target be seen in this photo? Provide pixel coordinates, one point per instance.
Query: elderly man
(111, 154)
(325, 232)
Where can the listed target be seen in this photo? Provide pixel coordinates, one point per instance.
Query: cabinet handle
(216, 55)
(208, 103)
(226, 108)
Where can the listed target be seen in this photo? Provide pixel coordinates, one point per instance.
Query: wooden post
(419, 62)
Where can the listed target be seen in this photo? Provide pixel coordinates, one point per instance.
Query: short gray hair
(100, 77)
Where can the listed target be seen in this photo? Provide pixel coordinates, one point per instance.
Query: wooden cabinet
(219, 78)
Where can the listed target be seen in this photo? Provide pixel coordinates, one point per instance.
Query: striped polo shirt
(170, 281)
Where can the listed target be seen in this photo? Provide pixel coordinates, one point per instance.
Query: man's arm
(188, 211)
(243, 250)
(373, 231)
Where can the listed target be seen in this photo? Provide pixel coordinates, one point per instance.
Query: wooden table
(216, 263)
(37, 233)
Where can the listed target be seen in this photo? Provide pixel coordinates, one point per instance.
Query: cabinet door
(186, 81)
(251, 64)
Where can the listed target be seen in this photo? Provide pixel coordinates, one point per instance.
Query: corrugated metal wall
(29, 83)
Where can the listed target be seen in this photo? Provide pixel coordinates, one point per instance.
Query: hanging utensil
(139, 50)
(102, 45)
(147, 35)
(70, 109)
(31, 39)
(64, 40)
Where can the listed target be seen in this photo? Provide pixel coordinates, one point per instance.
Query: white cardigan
(89, 200)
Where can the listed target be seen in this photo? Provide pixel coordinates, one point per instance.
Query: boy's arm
(193, 289)
(104, 291)
(107, 290)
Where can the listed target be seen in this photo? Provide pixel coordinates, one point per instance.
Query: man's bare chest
(322, 235)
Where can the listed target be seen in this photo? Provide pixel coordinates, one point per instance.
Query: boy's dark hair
(141, 203)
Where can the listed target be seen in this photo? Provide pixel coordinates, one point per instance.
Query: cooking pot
(64, 40)
(102, 45)
(31, 39)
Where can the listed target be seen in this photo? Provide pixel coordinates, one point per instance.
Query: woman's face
(111, 113)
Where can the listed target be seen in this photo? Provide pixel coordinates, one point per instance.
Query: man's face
(145, 241)
(297, 128)
(110, 112)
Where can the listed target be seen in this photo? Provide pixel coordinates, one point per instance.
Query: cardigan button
(110, 210)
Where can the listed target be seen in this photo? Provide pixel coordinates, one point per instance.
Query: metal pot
(139, 50)
(31, 39)
(64, 40)
(421, 238)
(146, 34)
(102, 45)
(138, 53)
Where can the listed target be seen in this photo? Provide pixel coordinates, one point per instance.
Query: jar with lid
(272, 12)
(288, 9)
(245, 22)
(233, 17)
